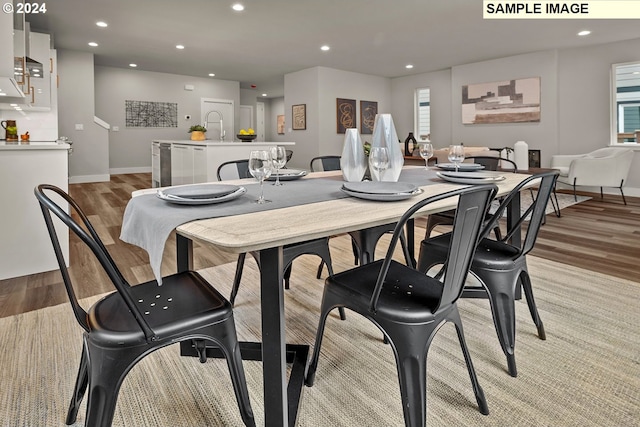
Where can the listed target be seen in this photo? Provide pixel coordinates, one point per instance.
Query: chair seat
(184, 302)
(413, 297)
(490, 254)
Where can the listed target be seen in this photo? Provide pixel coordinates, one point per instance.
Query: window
(423, 114)
(625, 107)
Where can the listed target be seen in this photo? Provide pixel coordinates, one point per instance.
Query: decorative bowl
(246, 138)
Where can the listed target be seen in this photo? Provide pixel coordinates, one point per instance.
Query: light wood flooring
(598, 235)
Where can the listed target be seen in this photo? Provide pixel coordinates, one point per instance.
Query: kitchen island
(25, 247)
(176, 162)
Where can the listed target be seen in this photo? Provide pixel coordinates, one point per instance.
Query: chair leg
(454, 317)
(237, 278)
(622, 193)
(107, 369)
(320, 267)
(325, 309)
(343, 315)
(601, 194)
(231, 348)
(501, 292)
(80, 388)
(528, 292)
(287, 276)
(411, 349)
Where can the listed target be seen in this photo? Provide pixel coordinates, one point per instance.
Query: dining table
(267, 228)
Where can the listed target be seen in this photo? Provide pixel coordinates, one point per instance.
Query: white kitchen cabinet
(181, 164)
(199, 164)
(39, 78)
(194, 162)
(25, 246)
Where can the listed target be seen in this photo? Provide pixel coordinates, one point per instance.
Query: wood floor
(598, 235)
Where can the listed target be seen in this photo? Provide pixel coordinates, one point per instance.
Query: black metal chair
(319, 247)
(500, 265)
(325, 163)
(490, 163)
(410, 307)
(132, 322)
(233, 169)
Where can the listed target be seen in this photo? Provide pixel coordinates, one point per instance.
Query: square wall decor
(509, 101)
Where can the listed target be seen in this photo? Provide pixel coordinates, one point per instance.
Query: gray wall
(318, 88)
(76, 103)
(575, 104)
(130, 148)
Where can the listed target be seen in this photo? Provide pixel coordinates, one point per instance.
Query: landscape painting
(509, 101)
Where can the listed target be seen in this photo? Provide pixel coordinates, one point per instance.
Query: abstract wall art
(346, 114)
(368, 111)
(148, 114)
(508, 101)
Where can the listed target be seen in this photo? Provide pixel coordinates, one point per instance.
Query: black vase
(410, 140)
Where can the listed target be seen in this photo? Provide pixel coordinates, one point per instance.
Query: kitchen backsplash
(41, 125)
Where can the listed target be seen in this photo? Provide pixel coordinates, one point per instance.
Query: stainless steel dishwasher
(161, 164)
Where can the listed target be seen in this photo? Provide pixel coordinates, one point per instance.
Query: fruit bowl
(246, 138)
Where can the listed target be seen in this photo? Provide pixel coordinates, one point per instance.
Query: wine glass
(260, 167)
(379, 159)
(279, 158)
(426, 152)
(456, 155)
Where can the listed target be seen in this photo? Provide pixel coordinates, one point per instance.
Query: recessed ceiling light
(133, 65)
(93, 44)
(2, 93)
(636, 72)
(212, 75)
(264, 94)
(237, 7)
(179, 46)
(102, 24)
(584, 33)
(325, 48)
(408, 66)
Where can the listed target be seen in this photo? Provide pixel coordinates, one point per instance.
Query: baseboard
(81, 179)
(121, 171)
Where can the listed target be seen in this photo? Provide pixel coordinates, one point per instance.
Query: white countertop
(209, 143)
(32, 145)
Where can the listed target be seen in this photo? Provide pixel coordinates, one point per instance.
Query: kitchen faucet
(206, 123)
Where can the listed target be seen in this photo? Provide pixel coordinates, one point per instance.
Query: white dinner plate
(470, 177)
(172, 198)
(465, 167)
(288, 174)
(384, 194)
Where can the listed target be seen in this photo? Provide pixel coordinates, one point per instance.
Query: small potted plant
(197, 132)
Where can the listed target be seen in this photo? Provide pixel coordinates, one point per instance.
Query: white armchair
(605, 167)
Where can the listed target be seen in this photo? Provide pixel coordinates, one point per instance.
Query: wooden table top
(272, 228)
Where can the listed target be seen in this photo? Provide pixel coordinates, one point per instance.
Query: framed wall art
(346, 114)
(509, 101)
(299, 116)
(368, 111)
(280, 124)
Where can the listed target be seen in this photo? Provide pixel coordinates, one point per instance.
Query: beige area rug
(587, 372)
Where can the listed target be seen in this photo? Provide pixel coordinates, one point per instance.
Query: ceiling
(271, 38)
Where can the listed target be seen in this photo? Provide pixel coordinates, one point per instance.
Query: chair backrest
(492, 163)
(473, 203)
(92, 240)
(325, 163)
(233, 169)
(534, 213)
